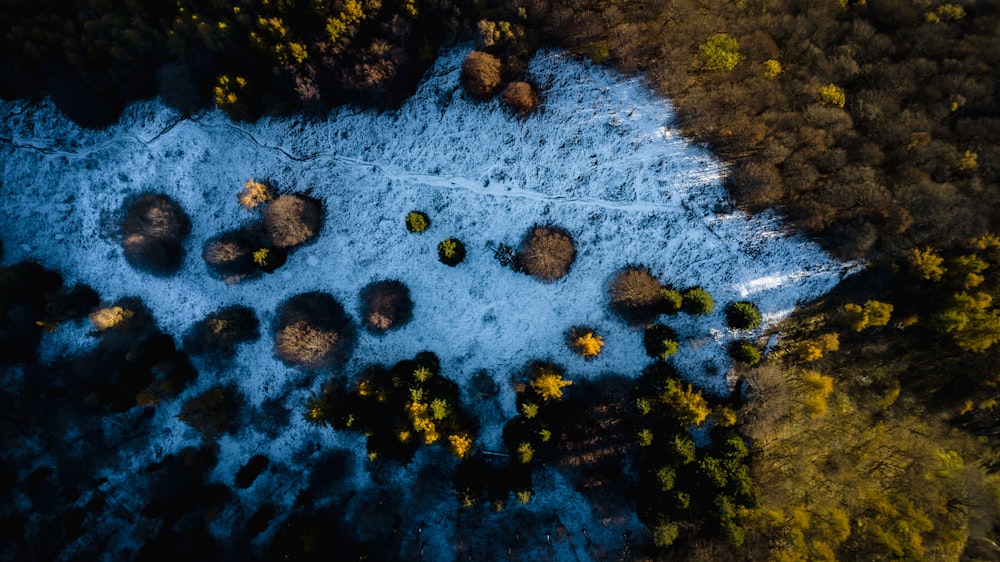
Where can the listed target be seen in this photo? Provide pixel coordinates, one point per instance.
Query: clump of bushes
(697, 301)
(417, 221)
(153, 232)
(520, 97)
(399, 410)
(385, 305)
(313, 332)
(660, 341)
(585, 342)
(636, 294)
(236, 255)
(547, 253)
(481, 74)
(292, 220)
(451, 252)
(743, 315)
(508, 256)
(221, 331)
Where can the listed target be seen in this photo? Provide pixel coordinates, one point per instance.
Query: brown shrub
(385, 305)
(153, 231)
(292, 220)
(521, 97)
(547, 253)
(313, 332)
(635, 294)
(481, 74)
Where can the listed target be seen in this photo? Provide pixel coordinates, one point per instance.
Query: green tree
(697, 301)
(743, 315)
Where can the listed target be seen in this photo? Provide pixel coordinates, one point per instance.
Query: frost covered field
(599, 158)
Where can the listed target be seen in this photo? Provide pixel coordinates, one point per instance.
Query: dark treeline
(249, 57)
(872, 125)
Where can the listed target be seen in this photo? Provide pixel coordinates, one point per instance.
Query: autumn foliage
(481, 74)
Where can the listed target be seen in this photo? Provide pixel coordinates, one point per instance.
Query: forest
(869, 431)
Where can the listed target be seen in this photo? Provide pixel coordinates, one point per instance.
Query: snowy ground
(599, 158)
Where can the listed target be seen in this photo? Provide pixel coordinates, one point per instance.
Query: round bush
(451, 252)
(481, 74)
(230, 255)
(660, 341)
(520, 97)
(635, 294)
(153, 231)
(743, 315)
(547, 253)
(417, 221)
(385, 305)
(744, 352)
(313, 332)
(292, 220)
(697, 301)
(221, 331)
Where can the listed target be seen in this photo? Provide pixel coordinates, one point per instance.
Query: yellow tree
(549, 383)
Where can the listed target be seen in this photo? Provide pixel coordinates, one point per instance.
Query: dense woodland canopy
(872, 125)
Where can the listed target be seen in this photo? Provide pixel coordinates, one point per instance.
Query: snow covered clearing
(598, 158)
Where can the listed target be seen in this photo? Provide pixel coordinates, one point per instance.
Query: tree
(385, 305)
(873, 313)
(686, 405)
(972, 323)
(744, 352)
(451, 252)
(547, 253)
(660, 341)
(213, 412)
(720, 52)
(548, 383)
(520, 97)
(254, 193)
(927, 264)
(697, 301)
(481, 74)
(832, 95)
(585, 342)
(635, 294)
(153, 231)
(743, 315)
(313, 332)
(292, 220)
